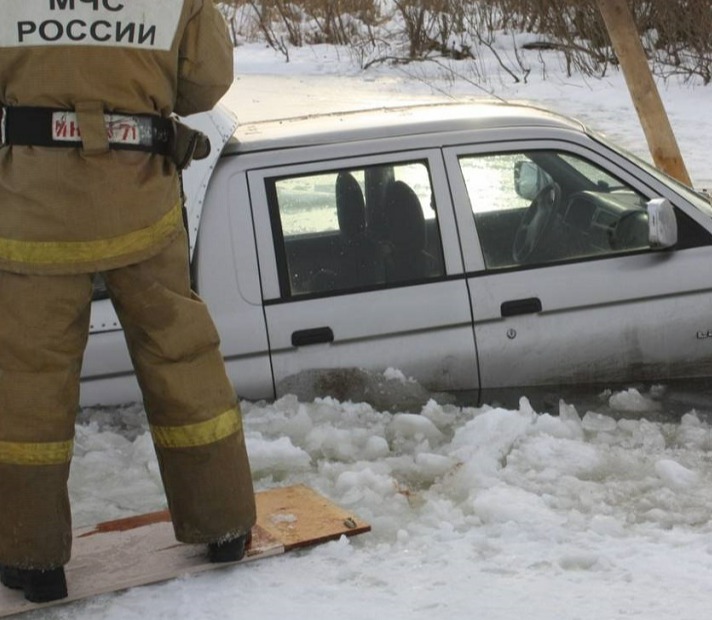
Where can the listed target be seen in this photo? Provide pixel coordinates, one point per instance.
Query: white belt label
(143, 24)
(120, 129)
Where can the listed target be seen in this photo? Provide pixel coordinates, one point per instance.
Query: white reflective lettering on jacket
(145, 24)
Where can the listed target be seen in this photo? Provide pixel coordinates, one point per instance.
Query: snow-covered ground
(324, 74)
(476, 512)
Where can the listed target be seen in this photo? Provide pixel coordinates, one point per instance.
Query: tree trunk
(646, 98)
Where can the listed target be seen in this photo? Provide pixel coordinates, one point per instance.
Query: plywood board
(141, 550)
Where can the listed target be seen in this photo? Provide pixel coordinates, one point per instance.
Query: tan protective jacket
(72, 210)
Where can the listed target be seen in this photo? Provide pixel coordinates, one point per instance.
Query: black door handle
(531, 305)
(317, 335)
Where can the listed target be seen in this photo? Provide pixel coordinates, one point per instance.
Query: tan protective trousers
(191, 405)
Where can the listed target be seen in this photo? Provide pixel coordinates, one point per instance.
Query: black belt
(34, 126)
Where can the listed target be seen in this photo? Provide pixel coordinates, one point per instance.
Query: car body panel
(600, 322)
(632, 316)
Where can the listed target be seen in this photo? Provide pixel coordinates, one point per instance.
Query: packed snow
(477, 512)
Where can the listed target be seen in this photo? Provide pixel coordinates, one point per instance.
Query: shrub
(675, 33)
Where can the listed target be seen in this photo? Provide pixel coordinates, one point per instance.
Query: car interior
(554, 207)
(381, 236)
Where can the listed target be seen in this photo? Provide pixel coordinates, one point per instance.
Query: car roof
(335, 127)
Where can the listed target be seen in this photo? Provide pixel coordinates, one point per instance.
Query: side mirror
(529, 179)
(662, 224)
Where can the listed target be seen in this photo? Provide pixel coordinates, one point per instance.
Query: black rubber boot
(10, 577)
(40, 586)
(229, 550)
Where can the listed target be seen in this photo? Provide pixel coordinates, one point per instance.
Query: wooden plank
(643, 90)
(299, 517)
(141, 550)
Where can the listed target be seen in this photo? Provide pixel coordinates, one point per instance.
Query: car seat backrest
(350, 206)
(359, 262)
(405, 233)
(405, 223)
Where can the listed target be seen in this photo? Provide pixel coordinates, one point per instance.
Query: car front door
(356, 260)
(565, 288)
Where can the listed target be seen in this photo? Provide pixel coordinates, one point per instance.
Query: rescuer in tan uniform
(89, 182)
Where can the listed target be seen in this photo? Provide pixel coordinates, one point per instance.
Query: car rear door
(596, 304)
(357, 260)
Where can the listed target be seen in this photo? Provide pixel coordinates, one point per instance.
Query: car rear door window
(354, 228)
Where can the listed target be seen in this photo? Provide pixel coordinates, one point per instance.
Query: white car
(480, 248)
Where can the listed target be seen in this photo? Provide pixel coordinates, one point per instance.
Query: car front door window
(539, 207)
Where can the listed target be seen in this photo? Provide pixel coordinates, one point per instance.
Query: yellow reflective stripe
(200, 434)
(49, 453)
(70, 252)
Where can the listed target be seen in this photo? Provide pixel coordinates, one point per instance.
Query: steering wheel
(535, 222)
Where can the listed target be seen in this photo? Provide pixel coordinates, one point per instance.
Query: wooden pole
(646, 98)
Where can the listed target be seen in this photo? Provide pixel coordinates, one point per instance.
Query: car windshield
(698, 199)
